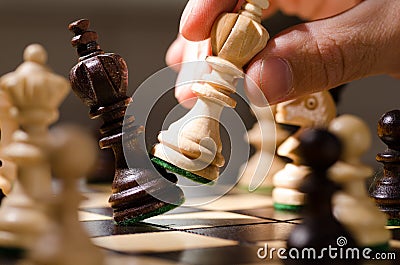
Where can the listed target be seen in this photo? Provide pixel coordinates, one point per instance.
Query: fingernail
(274, 77)
(185, 14)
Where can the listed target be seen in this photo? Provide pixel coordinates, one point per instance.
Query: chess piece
(66, 242)
(352, 206)
(100, 80)
(386, 190)
(314, 110)
(261, 136)
(318, 149)
(337, 93)
(8, 126)
(35, 94)
(193, 143)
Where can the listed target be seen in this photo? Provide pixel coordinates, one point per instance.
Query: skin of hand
(345, 40)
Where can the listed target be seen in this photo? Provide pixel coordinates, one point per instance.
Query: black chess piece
(386, 189)
(319, 150)
(2, 196)
(337, 93)
(100, 80)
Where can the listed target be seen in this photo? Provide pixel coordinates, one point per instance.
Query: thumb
(323, 54)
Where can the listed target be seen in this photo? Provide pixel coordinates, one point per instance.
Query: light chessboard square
(159, 242)
(236, 202)
(203, 219)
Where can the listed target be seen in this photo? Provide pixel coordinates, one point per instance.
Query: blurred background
(141, 32)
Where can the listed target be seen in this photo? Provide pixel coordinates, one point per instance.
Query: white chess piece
(8, 126)
(66, 242)
(193, 142)
(352, 206)
(35, 94)
(264, 136)
(314, 110)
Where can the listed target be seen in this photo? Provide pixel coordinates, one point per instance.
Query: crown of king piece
(99, 79)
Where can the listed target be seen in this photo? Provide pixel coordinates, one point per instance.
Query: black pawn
(386, 190)
(319, 150)
(2, 195)
(100, 80)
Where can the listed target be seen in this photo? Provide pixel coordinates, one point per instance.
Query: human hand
(181, 51)
(314, 56)
(198, 48)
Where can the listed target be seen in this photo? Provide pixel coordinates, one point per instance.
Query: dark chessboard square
(395, 233)
(216, 256)
(7, 261)
(108, 228)
(249, 233)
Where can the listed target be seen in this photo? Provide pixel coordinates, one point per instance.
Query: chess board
(229, 230)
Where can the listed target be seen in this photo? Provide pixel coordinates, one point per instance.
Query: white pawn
(35, 94)
(66, 242)
(352, 206)
(314, 110)
(264, 136)
(8, 126)
(193, 143)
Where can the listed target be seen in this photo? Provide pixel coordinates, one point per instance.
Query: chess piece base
(288, 207)
(139, 194)
(146, 211)
(180, 171)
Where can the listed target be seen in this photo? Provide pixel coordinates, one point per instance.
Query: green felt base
(180, 171)
(142, 217)
(393, 222)
(287, 207)
(13, 252)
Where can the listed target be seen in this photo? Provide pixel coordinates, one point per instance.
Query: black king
(100, 80)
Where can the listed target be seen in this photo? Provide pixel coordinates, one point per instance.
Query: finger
(193, 68)
(186, 97)
(324, 54)
(174, 55)
(199, 16)
(315, 9)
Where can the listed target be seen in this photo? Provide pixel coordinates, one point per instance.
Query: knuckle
(345, 56)
(332, 59)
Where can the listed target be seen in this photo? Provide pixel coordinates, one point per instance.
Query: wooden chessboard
(229, 230)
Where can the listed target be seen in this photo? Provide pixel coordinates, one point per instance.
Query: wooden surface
(228, 231)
